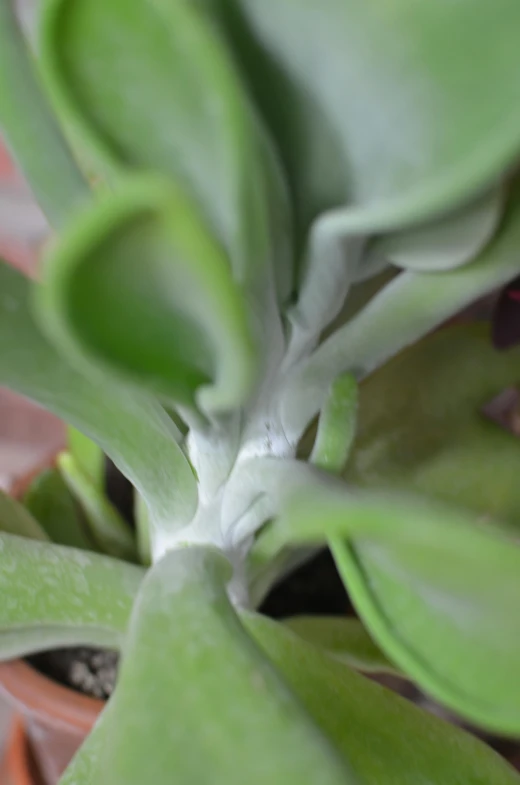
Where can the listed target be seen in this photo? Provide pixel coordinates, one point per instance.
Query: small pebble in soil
(91, 671)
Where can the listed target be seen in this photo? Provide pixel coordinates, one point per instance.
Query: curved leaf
(31, 130)
(447, 243)
(220, 711)
(135, 432)
(388, 740)
(187, 116)
(436, 589)
(405, 310)
(140, 285)
(383, 104)
(54, 596)
(86, 765)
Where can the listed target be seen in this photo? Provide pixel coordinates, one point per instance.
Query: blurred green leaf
(385, 105)
(31, 130)
(388, 740)
(135, 432)
(88, 456)
(436, 589)
(15, 519)
(106, 526)
(53, 596)
(345, 639)
(56, 510)
(420, 423)
(402, 312)
(187, 116)
(141, 285)
(220, 709)
(446, 243)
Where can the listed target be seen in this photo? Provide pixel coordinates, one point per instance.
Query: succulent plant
(262, 211)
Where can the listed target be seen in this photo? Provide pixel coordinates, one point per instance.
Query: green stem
(31, 130)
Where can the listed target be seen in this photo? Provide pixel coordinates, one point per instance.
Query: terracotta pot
(56, 718)
(17, 766)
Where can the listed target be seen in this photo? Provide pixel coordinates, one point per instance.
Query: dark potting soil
(90, 671)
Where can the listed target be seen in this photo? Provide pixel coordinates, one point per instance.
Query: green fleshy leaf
(135, 432)
(436, 589)
(88, 456)
(388, 740)
(345, 639)
(54, 596)
(140, 285)
(186, 117)
(421, 427)
(220, 710)
(445, 244)
(402, 312)
(107, 528)
(49, 500)
(384, 105)
(31, 130)
(15, 519)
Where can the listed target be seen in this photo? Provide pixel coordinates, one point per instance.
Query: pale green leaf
(402, 312)
(49, 500)
(15, 519)
(444, 244)
(135, 432)
(220, 711)
(88, 456)
(187, 116)
(140, 285)
(54, 596)
(345, 639)
(106, 526)
(32, 132)
(436, 589)
(387, 105)
(388, 740)
(421, 424)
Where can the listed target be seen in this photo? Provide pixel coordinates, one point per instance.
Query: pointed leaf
(15, 519)
(106, 526)
(345, 639)
(388, 740)
(54, 596)
(436, 589)
(220, 711)
(54, 507)
(135, 432)
(384, 105)
(140, 285)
